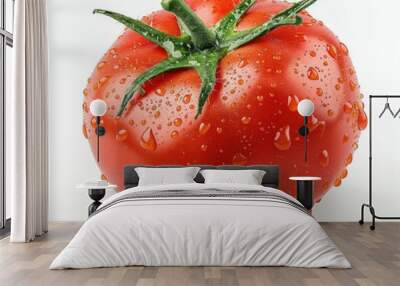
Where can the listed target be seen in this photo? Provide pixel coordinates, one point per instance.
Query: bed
(198, 224)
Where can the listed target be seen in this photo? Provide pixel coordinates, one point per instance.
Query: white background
(78, 39)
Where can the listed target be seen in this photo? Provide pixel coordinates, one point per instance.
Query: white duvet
(200, 231)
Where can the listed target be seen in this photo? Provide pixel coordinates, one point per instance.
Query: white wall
(78, 39)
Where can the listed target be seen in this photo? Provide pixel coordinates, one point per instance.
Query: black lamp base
(305, 191)
(96, 195)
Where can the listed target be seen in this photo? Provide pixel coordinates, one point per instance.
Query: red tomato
(251, 116)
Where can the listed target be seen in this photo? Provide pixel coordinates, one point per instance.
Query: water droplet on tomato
(345, 138)
(116, 67)
(219, 130)
(84, 131)
(332, 51)
(324, 158)
(204, 127)
(178, 122)
(312, 74)
(239, 159)
(344, 48)
(131, 122)
(347, 107)
(240, 81)
(362, 120)
(349, 159)
(103, 80)
(260, 98)
(320, 91)
(337, 86)
(353, 85)
(148, 141)
(293, 102)
(344, 173)
(174, 134)
(101, 65)
(103, 177)
(122, 135)
(355, 146)
(243, 63)
(85, 107)
(85, 92)
(246, 120)
(204, 147)
(187, 98)
(313, 124)
(282, 139)
(160, 91)
(338, 182)
(331, 113)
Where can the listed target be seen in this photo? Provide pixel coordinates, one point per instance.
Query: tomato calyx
(200, 47)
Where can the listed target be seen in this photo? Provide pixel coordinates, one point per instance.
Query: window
(6, 44)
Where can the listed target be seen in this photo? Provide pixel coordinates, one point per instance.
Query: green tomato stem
(284, 18)
(166, 65)
(199, 47)
(202, 37)
(227, 25)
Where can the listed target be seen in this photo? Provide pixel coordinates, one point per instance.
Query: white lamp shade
(98, 107)
(305, 107)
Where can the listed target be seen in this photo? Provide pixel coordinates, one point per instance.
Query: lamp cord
(98, 137)
(305, 139)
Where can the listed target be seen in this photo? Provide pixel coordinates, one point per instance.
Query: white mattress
(200, 232)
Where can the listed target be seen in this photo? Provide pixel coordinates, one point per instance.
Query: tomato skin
(251, 116)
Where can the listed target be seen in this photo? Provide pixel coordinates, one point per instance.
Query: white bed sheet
(200, 232)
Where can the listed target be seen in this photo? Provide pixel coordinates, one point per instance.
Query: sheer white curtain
(27, 163)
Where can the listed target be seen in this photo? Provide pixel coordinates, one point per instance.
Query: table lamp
(98, 108)
(305, 109)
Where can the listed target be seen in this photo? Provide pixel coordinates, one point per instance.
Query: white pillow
(246, 177)
(166, 176)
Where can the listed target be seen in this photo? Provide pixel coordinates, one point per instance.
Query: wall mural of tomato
(221, 86)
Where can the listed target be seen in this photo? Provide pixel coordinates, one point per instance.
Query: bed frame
(271, 178)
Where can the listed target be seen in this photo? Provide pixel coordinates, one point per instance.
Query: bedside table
(305, 190)
(96, 193)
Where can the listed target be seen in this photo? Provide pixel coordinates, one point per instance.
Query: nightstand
(305, 190)
(96, 193)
